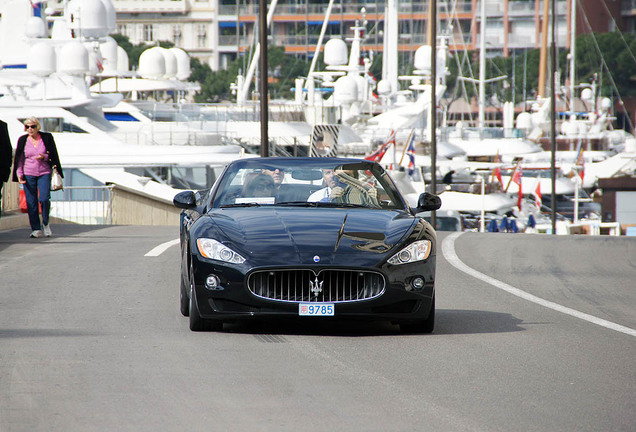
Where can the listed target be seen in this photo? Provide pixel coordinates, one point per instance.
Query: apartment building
(218, 31)
(191, 24)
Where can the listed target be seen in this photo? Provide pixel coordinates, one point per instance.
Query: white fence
(87, 205)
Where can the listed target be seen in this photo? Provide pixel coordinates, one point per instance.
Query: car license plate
(316, 309)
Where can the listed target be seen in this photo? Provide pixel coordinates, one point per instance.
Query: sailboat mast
(482, 66)
(543, 59)
(572, 51)
(390, 52)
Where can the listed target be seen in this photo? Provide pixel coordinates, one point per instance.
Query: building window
(149, 33)
(124, 30)
(202, 36)
(176, 34)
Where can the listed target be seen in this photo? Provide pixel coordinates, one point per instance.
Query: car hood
(280, 236)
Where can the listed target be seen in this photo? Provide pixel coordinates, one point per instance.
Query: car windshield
(306, 182)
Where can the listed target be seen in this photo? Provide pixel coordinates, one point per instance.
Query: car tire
(183, 299)
(423, 326)
(196, 322)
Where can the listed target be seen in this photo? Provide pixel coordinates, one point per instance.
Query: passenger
(353, 190)
(329, 182)
(6, 157)
(35, 159)
(278, 175)
(260, 185)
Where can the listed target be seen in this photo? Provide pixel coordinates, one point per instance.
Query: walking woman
(35, 158)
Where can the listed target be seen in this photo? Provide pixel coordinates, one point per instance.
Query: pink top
(29, 165)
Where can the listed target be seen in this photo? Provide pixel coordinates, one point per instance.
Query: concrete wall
(133, 208)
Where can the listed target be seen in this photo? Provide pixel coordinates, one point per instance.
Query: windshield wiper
(337, 205)
(297, 203)
(250, 204)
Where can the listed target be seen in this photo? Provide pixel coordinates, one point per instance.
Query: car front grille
(333, 286)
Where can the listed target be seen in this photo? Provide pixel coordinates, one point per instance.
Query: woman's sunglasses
(30, 127)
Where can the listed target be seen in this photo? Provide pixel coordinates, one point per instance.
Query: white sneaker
(36, 234)
(47, 231)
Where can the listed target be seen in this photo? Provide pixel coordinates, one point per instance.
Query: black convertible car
(306, 237)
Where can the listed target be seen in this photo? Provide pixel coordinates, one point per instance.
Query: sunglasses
(30, 127)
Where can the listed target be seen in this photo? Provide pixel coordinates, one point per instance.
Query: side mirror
(428, 202)
(185, 200)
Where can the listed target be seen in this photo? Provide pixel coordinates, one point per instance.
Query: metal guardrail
(87, 205)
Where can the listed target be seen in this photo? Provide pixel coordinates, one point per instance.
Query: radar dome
(73, 59)
(422, 60)
(123, 64)
(183, 63)
(606, 104)
(336, 53)
(384, 87)
(171, 63)
(35, 28)
(587, 94)
(345, 90)
(61, 31)
(41, 59)
(88, 18)
(152, 63)
(108, 49)
(524, 121)
(111, 16)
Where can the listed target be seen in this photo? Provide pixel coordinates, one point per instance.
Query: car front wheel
(183, 298)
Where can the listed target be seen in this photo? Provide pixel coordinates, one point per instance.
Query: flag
(410, 151)
(580, 160)
(37, 8)
(516, 178)
(379, 153)
(538, 199)
(496, 173)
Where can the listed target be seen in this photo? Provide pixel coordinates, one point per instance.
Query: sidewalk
(16, 219)
(13, 219)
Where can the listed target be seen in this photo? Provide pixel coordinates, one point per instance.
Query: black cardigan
(6, 153)
(51, 150)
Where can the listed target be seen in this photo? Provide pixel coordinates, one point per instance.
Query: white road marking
(161, 248)
(448, 249)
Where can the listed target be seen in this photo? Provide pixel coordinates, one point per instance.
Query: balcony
(146, 6)
(628, 7)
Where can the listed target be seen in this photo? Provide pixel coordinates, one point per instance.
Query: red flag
(516, 178)
(379, 153)
(538, 199)
(496, 173)
(580, 160)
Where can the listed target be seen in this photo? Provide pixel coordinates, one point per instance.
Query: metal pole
(553, 115)
(263, 84)
(482, 223)
(433, 19)
(482, 68)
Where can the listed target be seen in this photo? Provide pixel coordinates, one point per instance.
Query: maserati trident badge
(316, 286)
(316, 258)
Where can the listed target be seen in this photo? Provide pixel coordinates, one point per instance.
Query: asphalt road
(91, 339)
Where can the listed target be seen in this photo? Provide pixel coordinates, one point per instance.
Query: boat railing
(86, 205)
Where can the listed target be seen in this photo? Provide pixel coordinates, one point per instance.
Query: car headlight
(212, 249)
(417, 251)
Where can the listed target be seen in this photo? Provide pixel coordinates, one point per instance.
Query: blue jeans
(38, 188)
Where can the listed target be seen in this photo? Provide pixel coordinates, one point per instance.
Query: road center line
(448, 250)
(158, 250)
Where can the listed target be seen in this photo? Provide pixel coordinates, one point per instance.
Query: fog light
(212, 282)
(417, 283)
